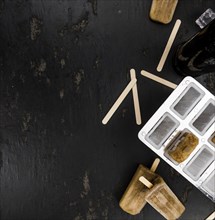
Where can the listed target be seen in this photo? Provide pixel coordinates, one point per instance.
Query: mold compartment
(187, 101)
(205, 119)
(209, 184)
(165, 126)
(199, 163)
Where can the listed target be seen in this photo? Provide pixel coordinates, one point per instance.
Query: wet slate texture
(62, 65)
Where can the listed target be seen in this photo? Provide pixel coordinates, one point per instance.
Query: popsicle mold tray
(190, 109)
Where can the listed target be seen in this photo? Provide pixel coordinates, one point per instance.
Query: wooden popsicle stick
(153, 168)
(155, 164)
(119, 101)
(211, 216)
(168, 45)
(135, 98)
(158, 79)
(143, 180)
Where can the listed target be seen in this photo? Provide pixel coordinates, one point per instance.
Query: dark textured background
(62, 65)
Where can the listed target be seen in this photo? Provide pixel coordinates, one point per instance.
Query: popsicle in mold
(161, 198)
(183, 147)
(212, 139)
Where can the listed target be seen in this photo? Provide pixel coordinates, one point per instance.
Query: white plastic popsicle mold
(189, 108)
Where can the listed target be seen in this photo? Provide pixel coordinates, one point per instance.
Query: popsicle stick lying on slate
(158, 79)
(211, 216)
(135, 98)
(169, 45)
(119, 101)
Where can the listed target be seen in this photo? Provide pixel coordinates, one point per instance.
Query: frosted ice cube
(205, 18)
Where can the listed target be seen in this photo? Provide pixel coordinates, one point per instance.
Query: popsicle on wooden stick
(133, 199)
(163, 10)
(161, 198)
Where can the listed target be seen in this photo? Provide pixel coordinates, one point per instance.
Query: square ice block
(187, 101)
(199, 163)
(165, 126)
(206, 18)
(205, 119)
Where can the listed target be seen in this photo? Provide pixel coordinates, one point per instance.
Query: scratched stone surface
(62, 65)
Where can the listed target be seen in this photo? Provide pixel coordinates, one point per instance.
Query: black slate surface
(62, 65)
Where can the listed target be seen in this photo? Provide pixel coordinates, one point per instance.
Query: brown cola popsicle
(133, 199)
(184, 147)
(161, 198)
(163, 10)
